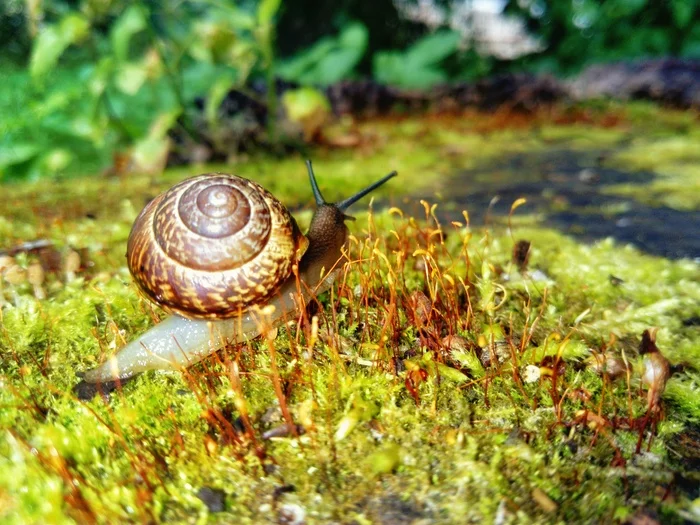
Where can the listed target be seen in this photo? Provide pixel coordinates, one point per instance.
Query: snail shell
(212, 246)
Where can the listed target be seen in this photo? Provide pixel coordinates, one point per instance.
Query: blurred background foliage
(90, 84)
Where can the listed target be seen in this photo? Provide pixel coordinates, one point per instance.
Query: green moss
(396, 425)
(675, 159)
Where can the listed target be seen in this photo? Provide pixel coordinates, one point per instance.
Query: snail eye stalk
(314, 185)
(344, 204)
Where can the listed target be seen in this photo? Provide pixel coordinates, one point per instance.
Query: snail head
(328, 223)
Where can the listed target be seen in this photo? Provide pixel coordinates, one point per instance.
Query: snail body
(219, 253)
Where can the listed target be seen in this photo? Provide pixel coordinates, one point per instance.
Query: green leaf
(334, 67)
(387, 67)
(17, 153)
(354, 36)
(417, 68)
(267, 10)
(626, 8)
(338, 64)
(53, 41)
(432, 49)
(47, 49)
(297, 66)
(150, 152)
(328, 60)
(574, 350)
(127, 25)
(56, 160)
(216, 95)
(682, 11)
(74, 28)
(657, 40)
(198, 77)
(452, 374)
(130, 77)
(239, 19)
(212, 41)
(163, 123)
(92, 129)
(97, 84)
(470, 361)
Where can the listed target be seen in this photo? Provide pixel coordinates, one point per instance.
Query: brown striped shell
(212, 246)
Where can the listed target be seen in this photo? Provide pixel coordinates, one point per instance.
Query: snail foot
(85, 390)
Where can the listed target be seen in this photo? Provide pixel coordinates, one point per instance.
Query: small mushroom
(71, 265)
(35, 276)
(12, 274)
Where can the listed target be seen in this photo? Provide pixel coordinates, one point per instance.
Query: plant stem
(267, 40)
(271, 103)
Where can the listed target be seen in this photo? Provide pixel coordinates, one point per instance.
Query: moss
(394, 424)
(675, 159)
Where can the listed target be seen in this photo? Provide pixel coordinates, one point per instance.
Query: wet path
(566, 187)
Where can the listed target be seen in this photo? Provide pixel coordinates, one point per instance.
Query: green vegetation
(124, 89)
(419, 66)
(585, 31)
(88, 85)
(675, 159)
(329, 60)
(396, 422)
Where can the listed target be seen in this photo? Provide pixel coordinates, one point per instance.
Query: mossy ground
(395, 424)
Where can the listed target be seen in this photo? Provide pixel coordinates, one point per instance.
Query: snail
(216, 251)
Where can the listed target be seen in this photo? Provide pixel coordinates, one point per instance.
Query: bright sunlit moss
(395, 422)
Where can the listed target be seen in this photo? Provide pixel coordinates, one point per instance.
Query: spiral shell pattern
(212, 246)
